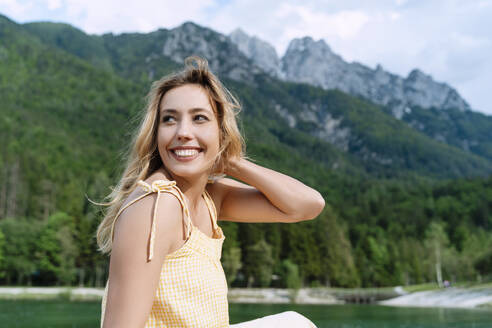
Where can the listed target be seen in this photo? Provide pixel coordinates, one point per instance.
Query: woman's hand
(232, 167)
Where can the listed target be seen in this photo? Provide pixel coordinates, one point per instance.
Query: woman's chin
(188, 171)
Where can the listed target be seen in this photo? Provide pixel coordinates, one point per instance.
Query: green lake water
(47, 314)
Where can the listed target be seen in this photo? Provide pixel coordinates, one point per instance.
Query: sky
(449, 39)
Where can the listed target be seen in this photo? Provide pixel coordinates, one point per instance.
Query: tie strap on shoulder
(168, 186)
(158, 186)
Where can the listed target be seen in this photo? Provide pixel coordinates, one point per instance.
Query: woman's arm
(270, 196)
(132, 279)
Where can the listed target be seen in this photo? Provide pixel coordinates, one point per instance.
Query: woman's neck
(192, 189)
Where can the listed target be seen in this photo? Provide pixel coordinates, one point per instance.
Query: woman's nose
(184, 130)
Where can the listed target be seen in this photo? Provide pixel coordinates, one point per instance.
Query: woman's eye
(166, 118)
(204, 118)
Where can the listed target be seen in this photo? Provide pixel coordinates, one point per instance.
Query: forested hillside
(70, 101)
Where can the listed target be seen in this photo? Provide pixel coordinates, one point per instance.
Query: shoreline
(387, 296)
(314, 295)
(452, 297)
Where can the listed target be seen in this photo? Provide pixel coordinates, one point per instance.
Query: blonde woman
(161, 225)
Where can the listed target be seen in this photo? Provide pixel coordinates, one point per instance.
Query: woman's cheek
(163, 143)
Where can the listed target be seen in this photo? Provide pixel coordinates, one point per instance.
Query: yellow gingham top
(192, 290)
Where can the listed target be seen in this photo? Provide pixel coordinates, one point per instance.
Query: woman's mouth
(185, 155)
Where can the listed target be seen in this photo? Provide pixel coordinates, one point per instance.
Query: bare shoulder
(131, 275)
(138, 191)
(133, 227)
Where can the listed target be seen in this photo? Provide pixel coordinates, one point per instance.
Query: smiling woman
(168, 202)
(188, 136)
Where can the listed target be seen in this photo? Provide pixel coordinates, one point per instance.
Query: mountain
(65, 36)
(54, 128)
(65, 121)
(314, 62)
(261, 52)
(375, 148)
(66, 118)
(431, 107)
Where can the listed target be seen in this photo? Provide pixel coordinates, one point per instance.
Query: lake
(57, 314)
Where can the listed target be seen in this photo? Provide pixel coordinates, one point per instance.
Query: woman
(161, 225)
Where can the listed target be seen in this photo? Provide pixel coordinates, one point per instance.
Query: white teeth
(186, 152)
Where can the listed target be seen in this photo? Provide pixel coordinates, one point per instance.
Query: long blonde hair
(143, 157)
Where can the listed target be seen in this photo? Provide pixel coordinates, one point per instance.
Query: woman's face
(188, 132)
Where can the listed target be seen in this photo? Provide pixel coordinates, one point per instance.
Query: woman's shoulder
(139, 191)
(142, 210)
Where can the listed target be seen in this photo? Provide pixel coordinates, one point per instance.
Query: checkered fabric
(192, 290)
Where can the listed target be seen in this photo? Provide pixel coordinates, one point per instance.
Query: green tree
(19, 248)
(231, 262)
(436, 240)
(336, 252)
(290, 275)
(2, 255)
(56, 251)
(259, 263)
(484, 264)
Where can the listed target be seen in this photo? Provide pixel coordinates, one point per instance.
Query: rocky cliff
(313, 62)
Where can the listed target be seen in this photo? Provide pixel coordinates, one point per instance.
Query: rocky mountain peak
(426, 93)
(307, 43)
(264, 54)
(189, 26)
(238, 35)
(223, 56)
(314, 62)
(419, 76)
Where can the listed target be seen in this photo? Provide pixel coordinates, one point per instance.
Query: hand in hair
(265, 195)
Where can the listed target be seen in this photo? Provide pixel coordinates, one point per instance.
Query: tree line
(387, 233)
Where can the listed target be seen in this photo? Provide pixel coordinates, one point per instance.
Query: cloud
(97, 17)
(54, 4)
(14, 8)
(344, 24)
(449, 39)
(142, 16)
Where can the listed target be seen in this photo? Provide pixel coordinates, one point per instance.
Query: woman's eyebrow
(191, 110)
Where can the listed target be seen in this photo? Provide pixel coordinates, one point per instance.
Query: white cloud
(394, 15)
(101, 16)
(343, 24)
(14, 8)
(484, 4)
(143, 16)
(449, 39)
(54, 4)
